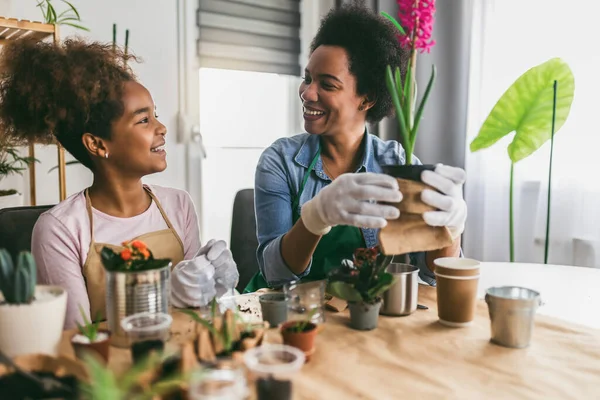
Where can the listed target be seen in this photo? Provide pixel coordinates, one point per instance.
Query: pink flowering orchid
(416, 17)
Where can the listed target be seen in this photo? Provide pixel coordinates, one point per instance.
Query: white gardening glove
(452, 206)
(352, 199)
(193, 283)
(226, 272)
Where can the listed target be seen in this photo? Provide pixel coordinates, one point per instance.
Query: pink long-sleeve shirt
(61, 239)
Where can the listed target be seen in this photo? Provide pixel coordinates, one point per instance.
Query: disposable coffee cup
(457, 280)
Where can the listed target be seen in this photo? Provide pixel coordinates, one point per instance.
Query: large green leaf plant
(534, 107)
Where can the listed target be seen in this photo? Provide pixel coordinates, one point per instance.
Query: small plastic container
(147, 332)
(222, 382)
(273, 367)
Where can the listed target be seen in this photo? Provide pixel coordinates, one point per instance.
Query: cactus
(17, 284)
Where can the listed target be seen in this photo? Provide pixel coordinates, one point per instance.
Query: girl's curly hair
(61, 91)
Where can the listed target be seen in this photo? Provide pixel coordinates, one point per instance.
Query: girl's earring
(105, 155)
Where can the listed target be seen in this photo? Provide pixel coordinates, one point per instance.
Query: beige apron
(165, 243)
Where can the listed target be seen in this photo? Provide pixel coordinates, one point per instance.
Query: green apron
(337, 245)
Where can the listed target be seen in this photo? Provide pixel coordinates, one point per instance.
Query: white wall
(152, 28)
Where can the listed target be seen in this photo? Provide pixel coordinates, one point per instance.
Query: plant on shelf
(24, 305)
(69, 17)
(134, 257)
(415, 27)
(361, 283)
(535, 107)
(222, 336)
(11, 163)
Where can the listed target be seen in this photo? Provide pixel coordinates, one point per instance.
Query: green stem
(511, 216)
(546, 242)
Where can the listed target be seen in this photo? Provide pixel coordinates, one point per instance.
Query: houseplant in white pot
(31, 316)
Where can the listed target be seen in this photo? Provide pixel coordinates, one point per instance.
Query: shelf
(12, 28)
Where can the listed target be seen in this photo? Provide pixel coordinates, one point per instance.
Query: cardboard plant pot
(409, 233)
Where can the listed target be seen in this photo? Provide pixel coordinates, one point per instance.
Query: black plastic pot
(409, 172)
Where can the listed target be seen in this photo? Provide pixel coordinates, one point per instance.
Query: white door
(241, 114)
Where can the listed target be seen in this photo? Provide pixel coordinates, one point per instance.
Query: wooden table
(416, 357)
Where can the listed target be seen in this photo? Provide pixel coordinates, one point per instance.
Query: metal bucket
(512, 311)
(128, 293)
(401, 297)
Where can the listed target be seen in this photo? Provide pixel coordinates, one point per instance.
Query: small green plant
(224, 335)
(70, 16)
(300, 326)
(17, 283)
(88, 329)
(11, 162)
(363, 280)
(104, 384)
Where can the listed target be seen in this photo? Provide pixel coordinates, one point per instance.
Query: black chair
(243, 236)
(16, 227)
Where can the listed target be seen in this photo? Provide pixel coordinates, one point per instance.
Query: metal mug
(129, 293)
(512, 311)
(401, 297)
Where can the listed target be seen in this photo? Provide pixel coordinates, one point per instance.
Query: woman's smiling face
(330, 102)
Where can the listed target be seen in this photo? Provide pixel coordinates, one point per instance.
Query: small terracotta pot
(100, 348)
(304, 341)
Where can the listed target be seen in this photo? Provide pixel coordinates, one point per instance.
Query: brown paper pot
(99, 348)
(410, 233)
(457, 281)
(304, 341)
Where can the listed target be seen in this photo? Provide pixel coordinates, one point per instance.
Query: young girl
(86, 97)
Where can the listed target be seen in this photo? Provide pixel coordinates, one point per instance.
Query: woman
(86, 97)
(321, 194)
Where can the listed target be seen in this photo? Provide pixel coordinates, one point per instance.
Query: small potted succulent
(89, 338)
(361, 283)
(136, 282)
(32, 316)
(301, 334)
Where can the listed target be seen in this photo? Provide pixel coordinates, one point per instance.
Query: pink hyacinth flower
(417, 13)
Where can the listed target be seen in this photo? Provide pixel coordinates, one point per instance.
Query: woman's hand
(453, 208)
(353, 199)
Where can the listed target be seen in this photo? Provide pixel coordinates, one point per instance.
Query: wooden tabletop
(416, 357)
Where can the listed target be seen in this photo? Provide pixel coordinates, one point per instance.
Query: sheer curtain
(509, 37)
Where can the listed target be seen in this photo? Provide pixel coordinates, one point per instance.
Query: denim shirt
(279, 175)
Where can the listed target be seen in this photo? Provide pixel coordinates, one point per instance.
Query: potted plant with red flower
(361, 283)
(136, 282)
